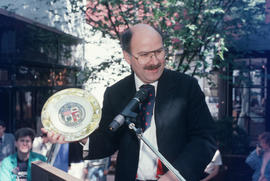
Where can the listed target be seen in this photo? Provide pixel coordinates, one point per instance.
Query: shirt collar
(139, 83)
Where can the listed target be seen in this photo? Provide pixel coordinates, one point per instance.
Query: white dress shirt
(147, 168)
(216, 160)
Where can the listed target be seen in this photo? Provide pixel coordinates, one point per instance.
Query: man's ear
(16, 144)
(127, 57)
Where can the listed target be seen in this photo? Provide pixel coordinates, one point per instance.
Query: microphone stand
(139, 134)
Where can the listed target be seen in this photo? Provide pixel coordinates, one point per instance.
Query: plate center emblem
(71, 114)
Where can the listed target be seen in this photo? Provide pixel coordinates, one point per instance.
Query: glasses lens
(146, 57)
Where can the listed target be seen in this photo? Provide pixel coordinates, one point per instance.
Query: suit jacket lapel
(128, 91)
(128, 94)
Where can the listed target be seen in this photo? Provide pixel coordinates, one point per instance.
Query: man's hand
(169, 176)
(53, 137)
(84, 140)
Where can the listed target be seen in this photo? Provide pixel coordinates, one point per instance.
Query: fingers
(61, 139)
(84, 140)
(54, 137)
(43, 130)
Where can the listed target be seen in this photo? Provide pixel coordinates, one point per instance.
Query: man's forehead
(25, 138)
(142, 29)
(145, 39)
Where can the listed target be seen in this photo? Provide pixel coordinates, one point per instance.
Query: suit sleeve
(200, 146)
(103, 142)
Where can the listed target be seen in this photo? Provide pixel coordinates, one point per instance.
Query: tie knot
(150, 88)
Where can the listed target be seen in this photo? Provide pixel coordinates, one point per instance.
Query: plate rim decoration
(89, 113)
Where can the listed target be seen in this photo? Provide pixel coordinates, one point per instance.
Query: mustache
(152, 67)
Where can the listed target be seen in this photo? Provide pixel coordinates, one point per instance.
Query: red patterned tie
(147, 106)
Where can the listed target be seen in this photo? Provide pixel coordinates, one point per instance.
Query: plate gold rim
(83, 132)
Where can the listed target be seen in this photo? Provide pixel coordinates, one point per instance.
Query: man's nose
(153, 58)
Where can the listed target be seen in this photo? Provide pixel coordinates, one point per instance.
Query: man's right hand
(54, 137)
(84, 140)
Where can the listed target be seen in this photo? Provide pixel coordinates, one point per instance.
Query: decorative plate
(74, 113)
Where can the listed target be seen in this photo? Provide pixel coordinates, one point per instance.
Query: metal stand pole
(158, 154)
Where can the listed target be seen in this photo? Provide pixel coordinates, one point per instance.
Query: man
(259, 159)
(7, 140)
(18, 165)
(181, 125)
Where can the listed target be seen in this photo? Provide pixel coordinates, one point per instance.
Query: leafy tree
(195, 30)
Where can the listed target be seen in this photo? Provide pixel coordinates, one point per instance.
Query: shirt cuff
(85, 148)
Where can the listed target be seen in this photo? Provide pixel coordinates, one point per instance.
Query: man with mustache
(181, 127)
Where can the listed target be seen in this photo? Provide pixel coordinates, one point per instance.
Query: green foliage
(193, 29)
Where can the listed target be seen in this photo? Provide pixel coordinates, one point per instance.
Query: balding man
(177, 121)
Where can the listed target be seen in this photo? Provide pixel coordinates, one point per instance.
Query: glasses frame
(153, 51)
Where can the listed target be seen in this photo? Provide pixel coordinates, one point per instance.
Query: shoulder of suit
(167, 75)
(125, 82)
(175, 75)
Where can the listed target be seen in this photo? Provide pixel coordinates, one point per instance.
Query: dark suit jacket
(184, 127)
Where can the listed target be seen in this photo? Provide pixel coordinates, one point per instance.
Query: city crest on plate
(71, 114)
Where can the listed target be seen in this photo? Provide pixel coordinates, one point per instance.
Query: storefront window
(24, 104)
(29, 104)
(24, 76)
(42, 76)
(249, 94)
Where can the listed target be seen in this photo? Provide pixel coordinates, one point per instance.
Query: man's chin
(153, 77)
(25, 151)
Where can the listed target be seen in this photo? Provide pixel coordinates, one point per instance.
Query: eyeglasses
(145, 57)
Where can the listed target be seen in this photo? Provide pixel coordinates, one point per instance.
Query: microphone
(128, 111)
